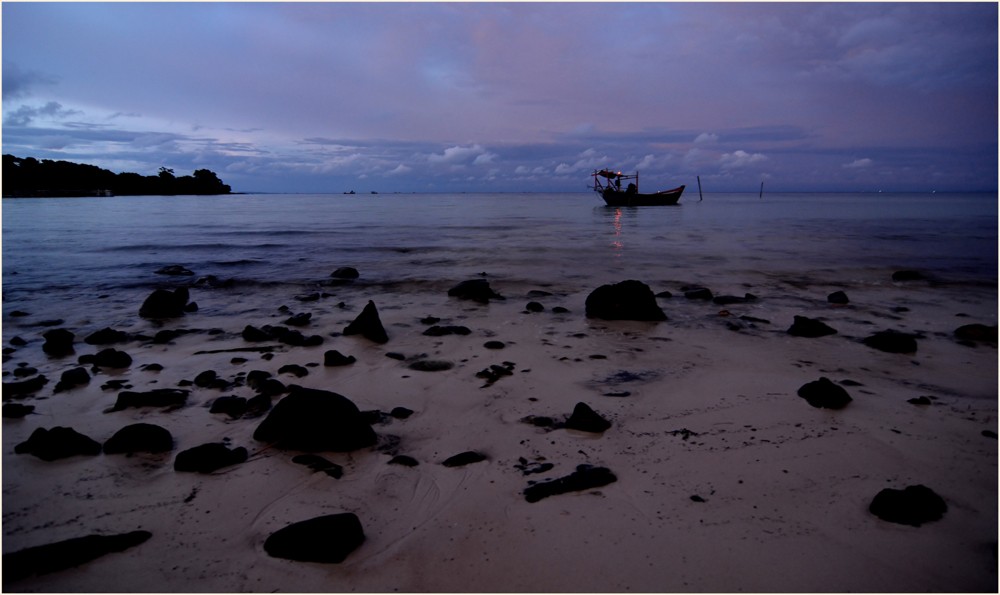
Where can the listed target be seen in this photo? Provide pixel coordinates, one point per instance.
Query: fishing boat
(610, 189)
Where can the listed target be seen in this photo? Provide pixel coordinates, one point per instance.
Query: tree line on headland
(30, 177)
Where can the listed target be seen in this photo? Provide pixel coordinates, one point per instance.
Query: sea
(66, 249)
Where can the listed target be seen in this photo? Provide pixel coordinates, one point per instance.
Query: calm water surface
(87, 245)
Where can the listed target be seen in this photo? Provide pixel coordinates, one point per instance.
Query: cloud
(456, 154)
(521, 170)
(55, 142)
(588, 160)
(739, 159)
(858, 164)
(400, 169)
(25, 115)
(705, 137)
(18, 83)
(485, 158)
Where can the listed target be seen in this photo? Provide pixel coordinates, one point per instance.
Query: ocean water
(63, 248)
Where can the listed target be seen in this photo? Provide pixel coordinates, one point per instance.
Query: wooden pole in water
(761, 190)
(700, 197)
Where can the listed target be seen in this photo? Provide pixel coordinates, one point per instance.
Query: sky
(511, 97)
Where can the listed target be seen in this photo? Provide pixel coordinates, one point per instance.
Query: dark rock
(477, 290)
(809, 327)
(732, 299)
(205, 378)
(752, 319)
(318, 463)
(586, 419)
(584, 478)
(271, 387)
(664, 294)
(71, 379)
(837, 297)
(373, 416)
(430, 320)
(258, 405)
(335, 358)
(824, 394)
(112, 358)
(160, 397)
(395, 356)
(293, 369)
(174, 269)
(312, 341)
(971, 332)
(25, 371)
(165, 336)
(61, 555)
(58, 342)
(911, 506)
(628, 300)
(238, 360)
(254, 334)
(401, 412)
(192, 307)
(892, 342)
(919, 401)
(19, 313)
(533, 468)
(987, 433)
(494, 345)
(345, 273)
(230, 405)
(431, 365)
(697, 498)
(209, 457)
(538, 293)
(312, 297)
(368, 325)
(440, 331)
(326, 539)
(16, 410)
(18, 341)
(294, 338)
(16, 389)
(105, 336)
(53, 322)
(700, 293)
(465, 458)
(299, 319)
(403, 460)
(139, 438)
(165, 304)
(534, 307)
(316, 420)
(58, 443)
(560, 310)
(538, 421)
(256, 377)
(907, 276)
(900, 309)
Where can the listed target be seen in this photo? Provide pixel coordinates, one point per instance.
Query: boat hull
(616, 198)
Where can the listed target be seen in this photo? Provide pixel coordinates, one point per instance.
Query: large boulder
(71, 379)
(25, 387)
(477, 290)
(58, 443)
(345, 273)
(165, 304)
(809, 327)
(326, 539)
(139, 438)
(977, 332)
(628, 300)
(106, 336)
(368, 325)
(824, 394)
(911, 506)
(892, 342)
(314, 420)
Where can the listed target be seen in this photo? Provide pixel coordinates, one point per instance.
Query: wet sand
(782, 488)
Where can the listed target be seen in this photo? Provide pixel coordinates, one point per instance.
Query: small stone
(16, 410)
(586, 419)
(837, 297)
(534, 307)
(368, 325)
(809, 327)
(230, 405)
(478, 290)
(326, 539)
(18, 341)
(465, 458)
(585, 477)
(494, 345)
(907, 276)
(345, 273)
(401, 412)
(104, 336)
(254, 334)
(919, 401)
(174, 269)
(205, 378)
(208, 458)
(403, 460)
(112, 358)
(58, 342)
(892, 342)
(440, 331)
(431, 365)
(824, 394)
(560, 310)
(299, 319)
(913, 505)
(395, 356)
(294, 369)
(335, 358)
(139, 438)
(700, 293)
(71, 379)
(969, 332)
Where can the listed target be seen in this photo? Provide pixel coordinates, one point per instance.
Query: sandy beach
(726, 479)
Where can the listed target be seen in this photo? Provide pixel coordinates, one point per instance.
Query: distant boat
(611, 191)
